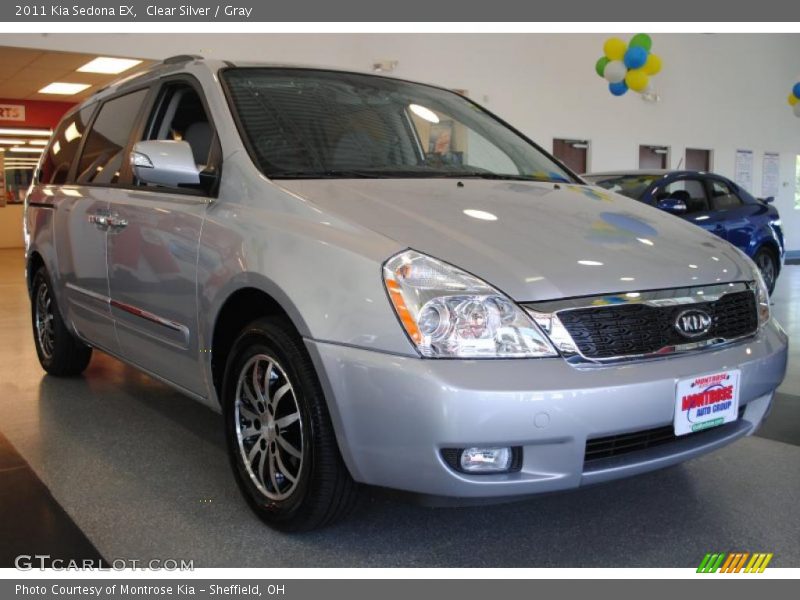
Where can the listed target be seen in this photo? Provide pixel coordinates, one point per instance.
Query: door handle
(100, 221)
(116, 222)
(104, 221)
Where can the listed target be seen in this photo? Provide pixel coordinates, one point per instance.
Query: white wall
(720, 92)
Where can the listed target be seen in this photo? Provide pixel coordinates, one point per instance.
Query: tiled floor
(142, 472)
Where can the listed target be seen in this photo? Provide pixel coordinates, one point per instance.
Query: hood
(533, 241)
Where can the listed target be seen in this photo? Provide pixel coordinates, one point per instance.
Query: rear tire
(60, 353)
(280, 439)
(768, 265)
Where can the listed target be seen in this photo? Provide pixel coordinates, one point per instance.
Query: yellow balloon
(614, 49)
(792, 100)
(653, 64)
(637, 80)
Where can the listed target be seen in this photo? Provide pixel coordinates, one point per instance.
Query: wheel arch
(249, 299)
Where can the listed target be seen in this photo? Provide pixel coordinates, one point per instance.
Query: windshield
(305, 123)
(632, 186)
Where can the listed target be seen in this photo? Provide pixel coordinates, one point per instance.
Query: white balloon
(796, 109)
(615, 71)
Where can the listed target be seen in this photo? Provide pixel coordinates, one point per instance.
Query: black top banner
(401, 11)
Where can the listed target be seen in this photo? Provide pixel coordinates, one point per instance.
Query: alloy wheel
(766, 265)
(45, 334)
(269, 427)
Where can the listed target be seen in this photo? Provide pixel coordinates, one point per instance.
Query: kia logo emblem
(693, 323)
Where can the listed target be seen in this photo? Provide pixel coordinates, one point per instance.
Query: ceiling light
(64, 89)
(24, 149)
(24, 132)
(38, 142)
(10, 142)
(108, 65)
(424, 113)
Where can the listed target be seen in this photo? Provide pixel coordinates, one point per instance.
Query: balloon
(792, 99)
(600, 66)
(796, 109)
(642, 40)
(615, 71)
(653, 64)
(637, 80)
(635, 57)
(614, 48)
(620, 88)
(796, 90)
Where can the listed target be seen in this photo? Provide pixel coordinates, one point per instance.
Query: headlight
(762, 297)
(448, 313)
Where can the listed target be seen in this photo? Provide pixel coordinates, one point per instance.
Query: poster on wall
(743, 169)
(770, 176)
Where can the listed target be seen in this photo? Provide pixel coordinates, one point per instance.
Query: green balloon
(600, 67)
(642, 40)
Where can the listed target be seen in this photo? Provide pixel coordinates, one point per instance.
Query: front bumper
(393, 414)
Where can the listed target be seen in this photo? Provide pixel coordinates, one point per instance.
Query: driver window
(691, 191)
(180, 115)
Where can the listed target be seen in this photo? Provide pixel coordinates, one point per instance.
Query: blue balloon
(618, 89)
(635, 57)
(796, 90)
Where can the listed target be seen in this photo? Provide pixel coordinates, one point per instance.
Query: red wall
(38, 113)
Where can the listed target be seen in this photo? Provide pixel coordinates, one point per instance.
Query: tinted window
(103, 154)
(307, 123)
(691, 191)
(64, 147)
(722, 196)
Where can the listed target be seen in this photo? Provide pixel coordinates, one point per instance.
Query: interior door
(152, 257)
(572, 153)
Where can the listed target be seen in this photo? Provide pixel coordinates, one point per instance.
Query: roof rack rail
(181, 58)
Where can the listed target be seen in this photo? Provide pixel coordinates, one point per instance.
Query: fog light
(485, 460)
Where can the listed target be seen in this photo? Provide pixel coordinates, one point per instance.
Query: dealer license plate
(706, 401)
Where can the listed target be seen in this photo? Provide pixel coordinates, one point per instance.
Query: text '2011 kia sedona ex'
(379, 282)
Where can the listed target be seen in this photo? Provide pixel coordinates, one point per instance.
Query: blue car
(713, 202)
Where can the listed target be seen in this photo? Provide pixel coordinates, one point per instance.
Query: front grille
(640, 329)
(616, 445)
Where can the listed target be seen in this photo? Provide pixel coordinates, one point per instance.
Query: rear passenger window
(103, 155)
(722, 196)
(64, 147)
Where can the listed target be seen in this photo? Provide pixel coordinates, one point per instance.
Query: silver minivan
(379, 282)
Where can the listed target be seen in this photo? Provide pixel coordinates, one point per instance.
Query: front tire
(60, 353)
(280, 439)
(766, 263)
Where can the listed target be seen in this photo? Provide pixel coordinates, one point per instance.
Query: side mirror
(675, 206)
(768, 199)
(165, 162)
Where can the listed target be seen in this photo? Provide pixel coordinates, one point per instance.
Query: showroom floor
(136, 471)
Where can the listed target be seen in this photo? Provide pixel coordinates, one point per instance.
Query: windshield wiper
(500, 176)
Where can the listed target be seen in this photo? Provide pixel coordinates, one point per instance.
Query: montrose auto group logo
(709, 395)
(734, 562)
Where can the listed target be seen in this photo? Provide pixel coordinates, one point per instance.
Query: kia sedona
(713, 202)
(378, 282)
